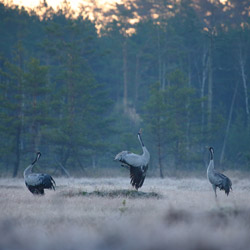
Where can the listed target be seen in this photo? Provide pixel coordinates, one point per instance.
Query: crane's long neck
(211, 154)
(211, 163)
(28, 170)
(140, 140)
(146, 153)
(144, 149)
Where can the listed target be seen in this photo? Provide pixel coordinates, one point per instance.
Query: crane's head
(211, 149)
(38, 155)
(139, 137)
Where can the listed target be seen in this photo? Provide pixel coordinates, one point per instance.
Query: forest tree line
(80, 94)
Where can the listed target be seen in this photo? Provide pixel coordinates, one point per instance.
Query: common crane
(137, 164)
(36, 182)
(217, 179)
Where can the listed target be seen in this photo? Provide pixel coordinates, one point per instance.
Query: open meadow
(106, 213)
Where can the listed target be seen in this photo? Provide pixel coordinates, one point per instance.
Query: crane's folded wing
(37, 179)
(131, 159)
(223, 182)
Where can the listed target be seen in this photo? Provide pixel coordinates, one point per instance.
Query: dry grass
(108, 214)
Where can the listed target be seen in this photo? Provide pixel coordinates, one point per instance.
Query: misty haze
(125, 125)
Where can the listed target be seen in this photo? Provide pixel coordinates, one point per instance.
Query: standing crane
(137, 164)
(36, 182)
(217, 179)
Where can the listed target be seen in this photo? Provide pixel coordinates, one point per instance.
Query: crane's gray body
(134, 159)
(36, 182)
(137, 164)
(217, 179)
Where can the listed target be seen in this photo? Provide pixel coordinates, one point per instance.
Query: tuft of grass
(124, 208)
(119, 193)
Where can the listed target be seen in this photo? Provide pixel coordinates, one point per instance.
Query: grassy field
(106, 213)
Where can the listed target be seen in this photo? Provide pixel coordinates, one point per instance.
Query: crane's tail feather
(53, 183)
(48, 182)
(137, 177)
(226, 185)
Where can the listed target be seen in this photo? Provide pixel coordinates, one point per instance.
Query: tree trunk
(20, 111)
(37, 138)
(35, 128)
(159, 58)
(228, 124)
(203, 82)
(137, 77)
(164, 75)
(210, 83)
(63, 169)
(244, 81)
(93, 161)
(80, 163)
(17, 163)
(188, 109)
(159, 153)
(65, 156)
(71, 91)
(177, 155)
(125, 76)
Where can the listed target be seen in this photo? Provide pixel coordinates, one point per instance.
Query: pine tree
(12, 108)
(80, 102)
(37, 105)
(155, 118)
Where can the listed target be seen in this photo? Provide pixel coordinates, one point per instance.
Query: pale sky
(74, 3)
(55, 3)
(104, 4)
